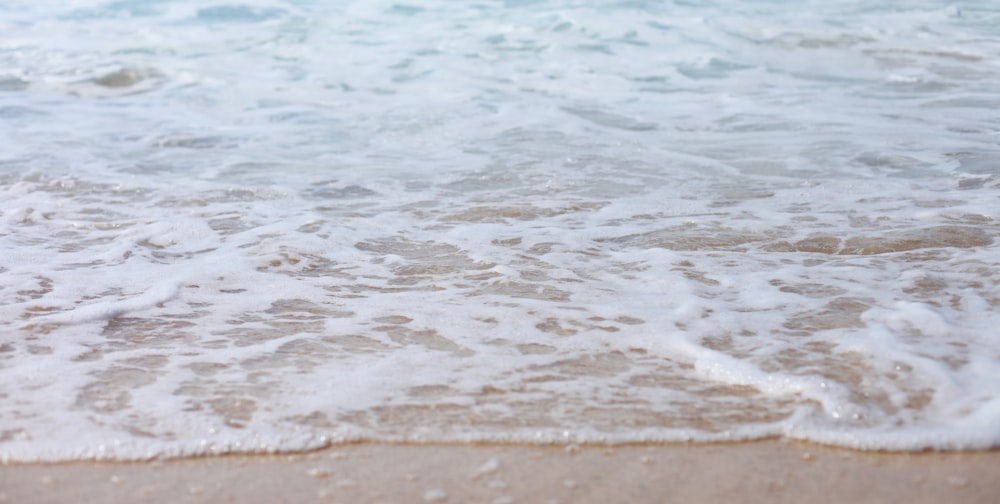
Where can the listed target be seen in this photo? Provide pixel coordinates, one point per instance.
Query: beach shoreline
(772, 471)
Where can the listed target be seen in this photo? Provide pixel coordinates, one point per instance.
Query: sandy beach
(460, 230)
(768, 471)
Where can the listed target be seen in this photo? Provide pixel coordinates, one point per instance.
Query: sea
(241, 226)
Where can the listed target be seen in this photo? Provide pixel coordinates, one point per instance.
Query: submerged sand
(768, 471)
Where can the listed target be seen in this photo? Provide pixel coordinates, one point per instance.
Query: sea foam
(272, 226)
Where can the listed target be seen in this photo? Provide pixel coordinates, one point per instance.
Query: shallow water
(271, 226)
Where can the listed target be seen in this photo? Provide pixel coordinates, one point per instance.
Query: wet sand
(768, 471)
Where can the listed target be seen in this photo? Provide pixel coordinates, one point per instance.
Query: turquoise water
(276, 225)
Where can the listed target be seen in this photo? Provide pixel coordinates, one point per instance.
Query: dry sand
(768, 471)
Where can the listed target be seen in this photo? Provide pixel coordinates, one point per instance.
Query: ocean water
(266, 225)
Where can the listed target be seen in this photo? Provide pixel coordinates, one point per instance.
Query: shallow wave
(544, 223)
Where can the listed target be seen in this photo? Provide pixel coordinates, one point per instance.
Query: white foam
(547, 223)
(107, 310)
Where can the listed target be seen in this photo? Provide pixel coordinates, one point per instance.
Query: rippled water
(275, 225)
